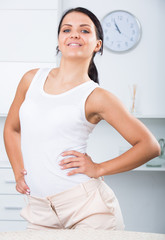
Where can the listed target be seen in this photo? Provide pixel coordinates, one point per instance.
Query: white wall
(141, 194)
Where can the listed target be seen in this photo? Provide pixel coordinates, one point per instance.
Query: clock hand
(117, 27)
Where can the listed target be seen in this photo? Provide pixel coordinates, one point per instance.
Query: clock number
(120, 18)
(133, 32)
(131, 25)
(108, 24)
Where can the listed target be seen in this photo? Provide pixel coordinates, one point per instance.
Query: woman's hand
(82, 161)
(21, 185)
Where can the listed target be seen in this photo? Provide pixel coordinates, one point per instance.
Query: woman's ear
(98, 46)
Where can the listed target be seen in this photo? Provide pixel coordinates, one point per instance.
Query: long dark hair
(92, 70)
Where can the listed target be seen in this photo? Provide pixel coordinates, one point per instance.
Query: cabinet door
(28, 35)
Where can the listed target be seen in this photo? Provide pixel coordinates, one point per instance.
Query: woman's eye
(85, 31)
(66, 30)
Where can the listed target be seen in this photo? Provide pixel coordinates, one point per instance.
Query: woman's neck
(73, 71)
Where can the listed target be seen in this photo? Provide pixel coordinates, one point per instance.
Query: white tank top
(50, 125)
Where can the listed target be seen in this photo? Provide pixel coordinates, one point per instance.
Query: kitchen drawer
(10, 206)
(7, 181)
(6, 226)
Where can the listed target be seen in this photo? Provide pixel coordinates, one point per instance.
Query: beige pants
(91, 204)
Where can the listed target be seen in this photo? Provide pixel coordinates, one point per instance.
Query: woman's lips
(74, 45)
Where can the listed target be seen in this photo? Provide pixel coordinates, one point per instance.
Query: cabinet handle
(12, 208)
(10, 181)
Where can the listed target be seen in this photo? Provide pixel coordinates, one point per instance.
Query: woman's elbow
(151, 146)
(156, 149)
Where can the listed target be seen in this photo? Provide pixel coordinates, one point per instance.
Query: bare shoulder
(27, 79)
(102, 101)
(100, 93)
(106, 105)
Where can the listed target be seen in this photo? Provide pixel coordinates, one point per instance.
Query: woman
(46, 132)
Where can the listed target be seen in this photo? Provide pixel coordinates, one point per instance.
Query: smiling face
(77, 36)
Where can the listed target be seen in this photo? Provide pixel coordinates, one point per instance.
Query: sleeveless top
(51, 124)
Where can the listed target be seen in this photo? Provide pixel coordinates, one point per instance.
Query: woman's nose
(75, 35)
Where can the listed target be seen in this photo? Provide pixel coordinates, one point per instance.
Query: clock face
(122, 31)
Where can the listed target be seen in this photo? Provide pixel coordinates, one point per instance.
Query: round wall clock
(122, 31)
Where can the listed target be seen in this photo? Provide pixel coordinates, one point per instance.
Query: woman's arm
(103, 105)
(144, 144)
(12, 134)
